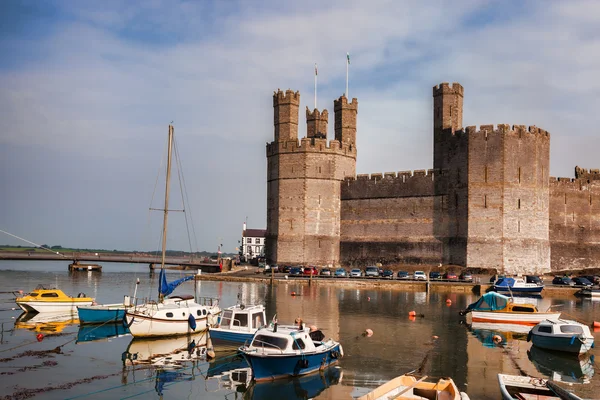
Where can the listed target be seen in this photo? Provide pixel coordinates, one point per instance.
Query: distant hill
(170, 253)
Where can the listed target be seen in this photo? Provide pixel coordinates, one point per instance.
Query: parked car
(435, 275)
(403, 275)
(563, 280)
(534, 279)
(593, 278)
(466, 277)
(271, 268)
(356, 273)
(388, 274)
(340, 273)
(284, 268)
(372, 272)
(310, 271)
(451, 276)
(325, 272)
(419, 276)
(295, 271)
(581, 281)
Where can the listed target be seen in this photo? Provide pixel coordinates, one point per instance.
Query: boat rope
(35, 244)
(144, 380)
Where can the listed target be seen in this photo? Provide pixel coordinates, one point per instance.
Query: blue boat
(517, 285)
(237, 324)
(91, 333)
(288, 351)
(101, 313)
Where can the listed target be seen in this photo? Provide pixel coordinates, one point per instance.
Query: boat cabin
(243, 319)
(493, 301)
(280, 339)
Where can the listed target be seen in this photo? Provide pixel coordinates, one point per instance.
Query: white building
(253, 243)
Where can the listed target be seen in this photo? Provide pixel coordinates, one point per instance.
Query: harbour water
(106, 363)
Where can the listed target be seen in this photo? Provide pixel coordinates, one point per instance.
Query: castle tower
(447, 115)
(285, 115)
(316, 123)
(304, 184)
(345, 120)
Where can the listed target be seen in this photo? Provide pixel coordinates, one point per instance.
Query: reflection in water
(94, 333)
(491, 336)
(561, 366)
(46, 322)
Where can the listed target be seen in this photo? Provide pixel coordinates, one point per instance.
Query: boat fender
(334, 354)
(303, 363)
(191, 346)
(529, 336)
(192, 322)
(341, 351)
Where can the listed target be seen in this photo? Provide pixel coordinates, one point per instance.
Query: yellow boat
(52, 300)
(406, 387)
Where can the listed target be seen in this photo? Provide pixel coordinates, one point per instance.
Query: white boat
(238, 323)
(515, 387)
(405, 387)
(517, 285)
(52, 300)
(282, 351)
(176, 315)
(562, 335)
(592, 292)
(493, 307)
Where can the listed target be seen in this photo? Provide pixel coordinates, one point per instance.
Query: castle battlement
(416, 183)
(312, 145)
(590, 174)
(342, 102)
(400, 176)
(316, 114)
(287, 97)
(503, 129)
(573, 183)
(446, 88)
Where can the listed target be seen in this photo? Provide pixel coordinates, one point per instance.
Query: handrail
(268, 344)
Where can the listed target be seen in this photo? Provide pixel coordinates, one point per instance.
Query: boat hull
(101, 314)
(504, 289)
(226, 335)
(53, 307)
(566, 343)
(530, 319)
(275, 366)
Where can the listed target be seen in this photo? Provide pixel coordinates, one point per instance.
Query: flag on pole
(316, 72)
(348, 57)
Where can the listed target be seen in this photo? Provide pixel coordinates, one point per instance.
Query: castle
(488, 202)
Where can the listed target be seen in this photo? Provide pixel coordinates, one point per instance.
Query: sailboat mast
(166, 210)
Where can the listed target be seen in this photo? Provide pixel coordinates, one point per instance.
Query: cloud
(99, 85)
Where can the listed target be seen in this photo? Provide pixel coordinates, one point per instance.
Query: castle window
(319, 244)
(565, 198)
(291, 224)
(485, 201)
(519, 174)
(519, 204)
(573, 215)
(319, 199)
(519, 226)
(485, 174)
(319, 169)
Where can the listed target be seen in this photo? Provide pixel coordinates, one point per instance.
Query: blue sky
(89, 88)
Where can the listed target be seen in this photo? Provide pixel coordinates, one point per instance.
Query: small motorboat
(406, 387)
(106, 313)
(516, 387)
(496, 308)
(593, 292)
(53, 300)
(562, 335)
(517, 285)
(281, 351)
(238, 323)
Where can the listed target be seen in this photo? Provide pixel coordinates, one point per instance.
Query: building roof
(254, 233)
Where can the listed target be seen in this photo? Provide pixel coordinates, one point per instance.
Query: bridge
(183, 263)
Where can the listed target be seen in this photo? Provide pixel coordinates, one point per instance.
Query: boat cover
(165, 288)
(491, 301)
(505, 282)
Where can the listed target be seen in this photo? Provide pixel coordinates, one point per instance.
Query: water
(120, 367)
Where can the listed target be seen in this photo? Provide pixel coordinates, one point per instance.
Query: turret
(316, 123)
(345, 120)
(285, 111)
(447, 106)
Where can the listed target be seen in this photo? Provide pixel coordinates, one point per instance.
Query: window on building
(249, 240)
(257, 241)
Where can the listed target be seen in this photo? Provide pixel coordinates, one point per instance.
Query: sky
(88, 89)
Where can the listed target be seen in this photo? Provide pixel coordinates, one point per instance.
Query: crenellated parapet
(588, 174)
(311, 145)
(316, 123)
(285, 114)
(345, 120)
(484, 131)
(446, 88)
(392, 184)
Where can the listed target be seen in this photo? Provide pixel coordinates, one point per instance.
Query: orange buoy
(435, 337)
(497, 339)
(596, 324)
(39, 337)
(293, 293)
(412, 318)
(368, 332)
(412, 314)
(448, 301)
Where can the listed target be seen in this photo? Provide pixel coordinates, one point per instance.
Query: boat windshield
(490, 302)
(226, 319)
(571, 329)
(273, 342)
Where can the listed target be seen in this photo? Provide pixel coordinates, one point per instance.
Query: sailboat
(174, 315)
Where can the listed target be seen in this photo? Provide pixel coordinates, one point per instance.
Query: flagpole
(347, 65)
(316, 74)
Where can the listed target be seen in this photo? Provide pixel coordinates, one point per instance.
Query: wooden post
(272, 274)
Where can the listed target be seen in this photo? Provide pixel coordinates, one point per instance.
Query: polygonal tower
(304, 182)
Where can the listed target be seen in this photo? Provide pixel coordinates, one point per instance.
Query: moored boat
(52, 300)
(590, 292)
(281, 351)
(562, 335)
(517, 285)
(406, 387)
(493, 307)
(106, 313)
(238, 323)
(514, 387)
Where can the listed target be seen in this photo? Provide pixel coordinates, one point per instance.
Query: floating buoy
(448, 302)
(435, 337)
(368, 332)
(497, 339)
(412, 314)
(412, 318)
(39, 337)
(596, 324)
(368, 298)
